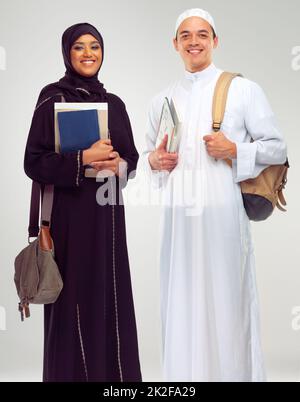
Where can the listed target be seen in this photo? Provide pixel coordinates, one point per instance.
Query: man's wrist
(150, 160)
(233, 151)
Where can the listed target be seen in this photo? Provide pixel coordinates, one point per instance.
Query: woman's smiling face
(86, 55)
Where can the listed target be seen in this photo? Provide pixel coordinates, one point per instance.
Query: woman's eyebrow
(83, 43)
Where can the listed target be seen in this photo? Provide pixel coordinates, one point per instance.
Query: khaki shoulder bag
(37, 277)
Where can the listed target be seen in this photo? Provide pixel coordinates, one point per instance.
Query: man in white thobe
(209, 303)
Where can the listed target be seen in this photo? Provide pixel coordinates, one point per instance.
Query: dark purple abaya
(90, 331)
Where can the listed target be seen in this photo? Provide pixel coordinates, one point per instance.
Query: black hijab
(74, 86)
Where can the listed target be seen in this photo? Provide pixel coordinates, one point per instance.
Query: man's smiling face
(195, 42)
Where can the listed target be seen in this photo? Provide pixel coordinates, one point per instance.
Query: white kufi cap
(195, 12)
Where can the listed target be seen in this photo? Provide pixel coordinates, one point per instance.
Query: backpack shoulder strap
(220, 98)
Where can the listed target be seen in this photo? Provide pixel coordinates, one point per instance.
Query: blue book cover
(78, 129)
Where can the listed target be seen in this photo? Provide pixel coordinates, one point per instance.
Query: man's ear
(175, 43)
(216, 42)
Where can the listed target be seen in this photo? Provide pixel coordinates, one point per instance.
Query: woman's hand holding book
(99, 151)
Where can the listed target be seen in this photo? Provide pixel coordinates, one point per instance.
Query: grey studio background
(259, 38)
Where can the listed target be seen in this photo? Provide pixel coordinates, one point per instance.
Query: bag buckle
(216, 126)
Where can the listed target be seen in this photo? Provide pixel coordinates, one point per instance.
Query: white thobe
(209, 303)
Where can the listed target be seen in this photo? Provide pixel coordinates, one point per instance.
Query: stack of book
(78, 126)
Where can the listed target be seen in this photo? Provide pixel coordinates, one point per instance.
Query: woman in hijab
(90, 331)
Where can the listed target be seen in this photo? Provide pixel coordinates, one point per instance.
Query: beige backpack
(262, 194)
